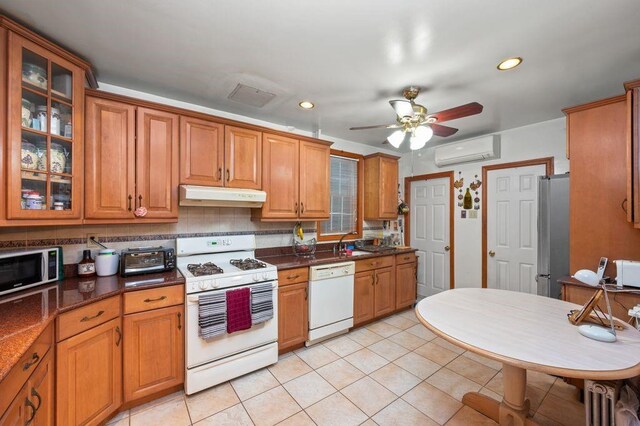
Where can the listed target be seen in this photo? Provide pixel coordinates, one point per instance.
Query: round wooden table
(524, 332)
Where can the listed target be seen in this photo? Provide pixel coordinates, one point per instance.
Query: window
(346, 197)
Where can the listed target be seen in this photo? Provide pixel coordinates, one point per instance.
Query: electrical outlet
(90, 242)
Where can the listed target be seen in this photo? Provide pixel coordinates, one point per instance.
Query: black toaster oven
(146, 260)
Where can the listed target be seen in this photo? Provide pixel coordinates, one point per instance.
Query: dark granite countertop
(290, 261)
(26, 314)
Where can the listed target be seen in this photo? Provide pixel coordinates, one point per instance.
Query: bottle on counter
(87, 266)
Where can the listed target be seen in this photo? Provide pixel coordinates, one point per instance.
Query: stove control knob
(256, 277)
(265, 276)
(214, 284)
(203, 285)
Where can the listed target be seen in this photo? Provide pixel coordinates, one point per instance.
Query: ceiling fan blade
(443, 131)
(466, 110)
(402, 108)
(379, 126)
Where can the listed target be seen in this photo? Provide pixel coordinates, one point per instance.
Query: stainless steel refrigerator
(553, 233)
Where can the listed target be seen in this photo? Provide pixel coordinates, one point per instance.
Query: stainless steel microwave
(20, 269)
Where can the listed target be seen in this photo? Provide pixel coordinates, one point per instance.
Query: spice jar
(42, 117)
(87, 266)
(55, 121)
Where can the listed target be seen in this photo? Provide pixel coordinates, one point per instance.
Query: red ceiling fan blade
(443, 131)
(466, 110)
(379, 126)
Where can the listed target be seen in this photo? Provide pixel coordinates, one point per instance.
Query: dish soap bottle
(467, 203)
(87, 266)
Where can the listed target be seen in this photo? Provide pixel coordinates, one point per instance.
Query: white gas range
(216, 264)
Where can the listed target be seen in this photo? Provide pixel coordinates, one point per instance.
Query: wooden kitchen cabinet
(363, 297)
(385, 291)
(201, 152)
(131, 161)
(157, 163)
(380, 187)
(243, 158)
(89, 375)
(406, 284)
(34, 404)
(633, 152)
(293, 316)
(44, 127)
(296, 177)
(153, 351)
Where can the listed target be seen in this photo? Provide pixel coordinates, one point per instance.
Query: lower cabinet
(89, 375)
(385, 291)
(363, 297)
(406, 285)
(153, 351)
(34, 404)
(293, 315)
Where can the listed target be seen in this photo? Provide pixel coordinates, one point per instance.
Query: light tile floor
(391, 372)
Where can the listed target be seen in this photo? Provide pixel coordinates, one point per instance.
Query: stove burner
(247, 264)
(200, 269)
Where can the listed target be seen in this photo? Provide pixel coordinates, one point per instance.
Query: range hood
(207, 196)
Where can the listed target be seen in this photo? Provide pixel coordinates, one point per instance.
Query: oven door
(21, 270)
(199, 351)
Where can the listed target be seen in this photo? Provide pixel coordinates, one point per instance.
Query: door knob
(447, 248)
(492, 253)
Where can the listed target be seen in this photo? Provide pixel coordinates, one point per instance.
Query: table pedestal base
(514, 408)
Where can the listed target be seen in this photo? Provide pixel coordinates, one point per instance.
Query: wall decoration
(458, 184)
(469, 197)
(463, 214)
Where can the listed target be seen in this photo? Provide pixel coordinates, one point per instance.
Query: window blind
(344, 197)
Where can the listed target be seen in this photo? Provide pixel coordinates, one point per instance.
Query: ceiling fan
(413, 119)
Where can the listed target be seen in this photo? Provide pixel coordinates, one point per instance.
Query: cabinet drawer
(405, 258)
(145, 300)
(292, 276)
(81, 319)
(374, 263)
(24, 367)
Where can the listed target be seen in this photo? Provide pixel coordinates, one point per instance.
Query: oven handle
(194, 299)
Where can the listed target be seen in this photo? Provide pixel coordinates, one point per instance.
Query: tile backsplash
(192, 222)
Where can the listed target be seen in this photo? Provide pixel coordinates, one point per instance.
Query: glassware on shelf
(59, 154)
(35, 75)
(61, 193)
(27, 112)
(61, 82)
(42, 117)
(28, 158)
(60, 118)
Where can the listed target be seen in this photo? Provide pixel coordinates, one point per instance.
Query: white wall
(546, 139)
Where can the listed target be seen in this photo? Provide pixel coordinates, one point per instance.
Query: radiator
(599, 402)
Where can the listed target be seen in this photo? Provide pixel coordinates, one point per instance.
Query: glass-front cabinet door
(46, 95)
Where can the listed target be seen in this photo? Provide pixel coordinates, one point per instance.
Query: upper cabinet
(295, 175)
(633, 152)
(130, 166)
(45, 133)
(201, 152)
(243, 158)
(380, 187)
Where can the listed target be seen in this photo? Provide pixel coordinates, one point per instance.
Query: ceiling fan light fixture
(306, 105)
(509, 63)
(395, 139)
(420, 137)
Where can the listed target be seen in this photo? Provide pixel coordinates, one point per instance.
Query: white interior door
(512, 228)
(430, 234)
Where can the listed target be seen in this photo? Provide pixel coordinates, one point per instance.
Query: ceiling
(350, 57)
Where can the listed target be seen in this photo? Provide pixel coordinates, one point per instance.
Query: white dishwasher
(330, 300)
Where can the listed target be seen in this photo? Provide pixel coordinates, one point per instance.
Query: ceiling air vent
(251, 96)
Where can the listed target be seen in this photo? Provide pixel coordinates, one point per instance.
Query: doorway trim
(407, 218)
(545, 161)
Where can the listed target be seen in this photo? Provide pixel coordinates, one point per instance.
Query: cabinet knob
(130, 198)
(228, 175)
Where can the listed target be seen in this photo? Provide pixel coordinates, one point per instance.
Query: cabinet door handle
(35, 393)
(296, 207)
(130, 198)
(220, 173)
(301, 208)
(306, 293)
(34, 359)
(119, 336)
(29, 404)
(228, 175)
(375, 279)
(157, 299)
(85, 319)
(179, 321)
(292, 277)
(140, 200)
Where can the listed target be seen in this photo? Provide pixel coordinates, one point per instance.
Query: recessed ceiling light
(306, 105)
(509, 63)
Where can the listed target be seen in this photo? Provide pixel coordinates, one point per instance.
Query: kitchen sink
(358, 253)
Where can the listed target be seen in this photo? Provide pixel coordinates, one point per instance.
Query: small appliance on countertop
(146, 260)
(30, 267)
(628, 273)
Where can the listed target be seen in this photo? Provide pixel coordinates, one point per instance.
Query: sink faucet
(337, 249)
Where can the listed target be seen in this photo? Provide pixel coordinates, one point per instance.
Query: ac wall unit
(484, 148)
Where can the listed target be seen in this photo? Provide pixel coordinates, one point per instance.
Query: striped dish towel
(212, 314)
(261, 303)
